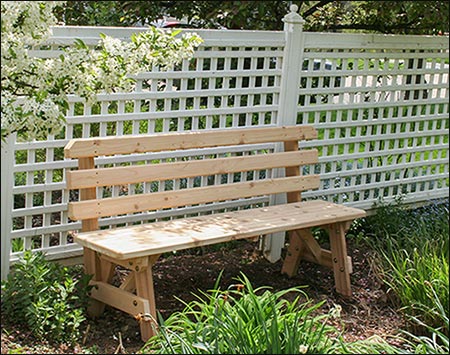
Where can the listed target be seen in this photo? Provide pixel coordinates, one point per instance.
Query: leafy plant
(437, 342)
(413, 252)
(45, 297)
(243, 320)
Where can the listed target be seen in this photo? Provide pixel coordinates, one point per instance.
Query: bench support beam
(118, 298)
(295, 250)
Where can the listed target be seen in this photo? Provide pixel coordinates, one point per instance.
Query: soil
(369, 312)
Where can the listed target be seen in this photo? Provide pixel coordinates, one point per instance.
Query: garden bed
(367, 314)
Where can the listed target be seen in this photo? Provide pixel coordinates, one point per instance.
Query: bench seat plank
(165, 236)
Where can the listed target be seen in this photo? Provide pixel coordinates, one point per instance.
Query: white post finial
(293, 17)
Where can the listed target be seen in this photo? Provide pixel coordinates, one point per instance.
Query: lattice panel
(229, 84)
(382, 115)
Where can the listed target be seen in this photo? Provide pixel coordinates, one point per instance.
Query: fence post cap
(293, 16)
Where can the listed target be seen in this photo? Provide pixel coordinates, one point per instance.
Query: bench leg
(301, 245)
(144, 288)
(341, 268)
(293, 255)
(101, 271)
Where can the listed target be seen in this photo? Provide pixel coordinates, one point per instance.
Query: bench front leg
(341, 268)
(144, 288)
(101, 270)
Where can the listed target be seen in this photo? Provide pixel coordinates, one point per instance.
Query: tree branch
(315, 7)
(372, 27)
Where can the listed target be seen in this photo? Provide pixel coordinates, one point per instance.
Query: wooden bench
(138, 247)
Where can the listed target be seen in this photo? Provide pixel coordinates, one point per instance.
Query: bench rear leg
(341, 268)
(144, 288)
(301, 245)
(293, 254)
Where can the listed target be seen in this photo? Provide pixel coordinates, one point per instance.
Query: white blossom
(303, 349)
(34, 91)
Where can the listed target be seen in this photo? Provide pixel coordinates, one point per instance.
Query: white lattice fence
(380, 104)
(230, 83)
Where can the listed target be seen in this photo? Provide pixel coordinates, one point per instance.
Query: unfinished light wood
(161, 237)
(339, 256)
(133, 264)
(144, 289)
(129, 283)
(325, 259)
(299, 240)
(81, 179)
(296, 249)
(92, 264)
(166, 199)
(93, 147)
(292, 170)
(120, 299)
(89, 193)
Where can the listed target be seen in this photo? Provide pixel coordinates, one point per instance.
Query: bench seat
(165, 236)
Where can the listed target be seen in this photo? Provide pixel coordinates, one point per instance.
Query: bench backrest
(87, 178)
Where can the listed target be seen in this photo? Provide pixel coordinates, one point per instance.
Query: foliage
(34, 91)
(243, 320)
(400, 17)
(437, 342)
(46, 298)
(413, 249)
(418, 17)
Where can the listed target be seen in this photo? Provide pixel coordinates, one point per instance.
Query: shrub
(243, 320)
(45, 297)
(412, 247)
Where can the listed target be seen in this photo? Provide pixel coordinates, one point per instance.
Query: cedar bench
(138, 247)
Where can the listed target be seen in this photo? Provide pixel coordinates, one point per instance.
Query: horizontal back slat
(80, 179)
(93, 147)
(153, 201)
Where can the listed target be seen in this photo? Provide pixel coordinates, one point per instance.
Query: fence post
(287, 105)
(7, 184)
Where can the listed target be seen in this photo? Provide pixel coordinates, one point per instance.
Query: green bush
(45, 297)
(243, 320)
(412, 248)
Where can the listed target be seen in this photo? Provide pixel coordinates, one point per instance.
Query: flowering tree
(34, 91)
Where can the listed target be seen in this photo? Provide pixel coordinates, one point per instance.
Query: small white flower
(34, 90)
(303, 349)
(335, 311)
